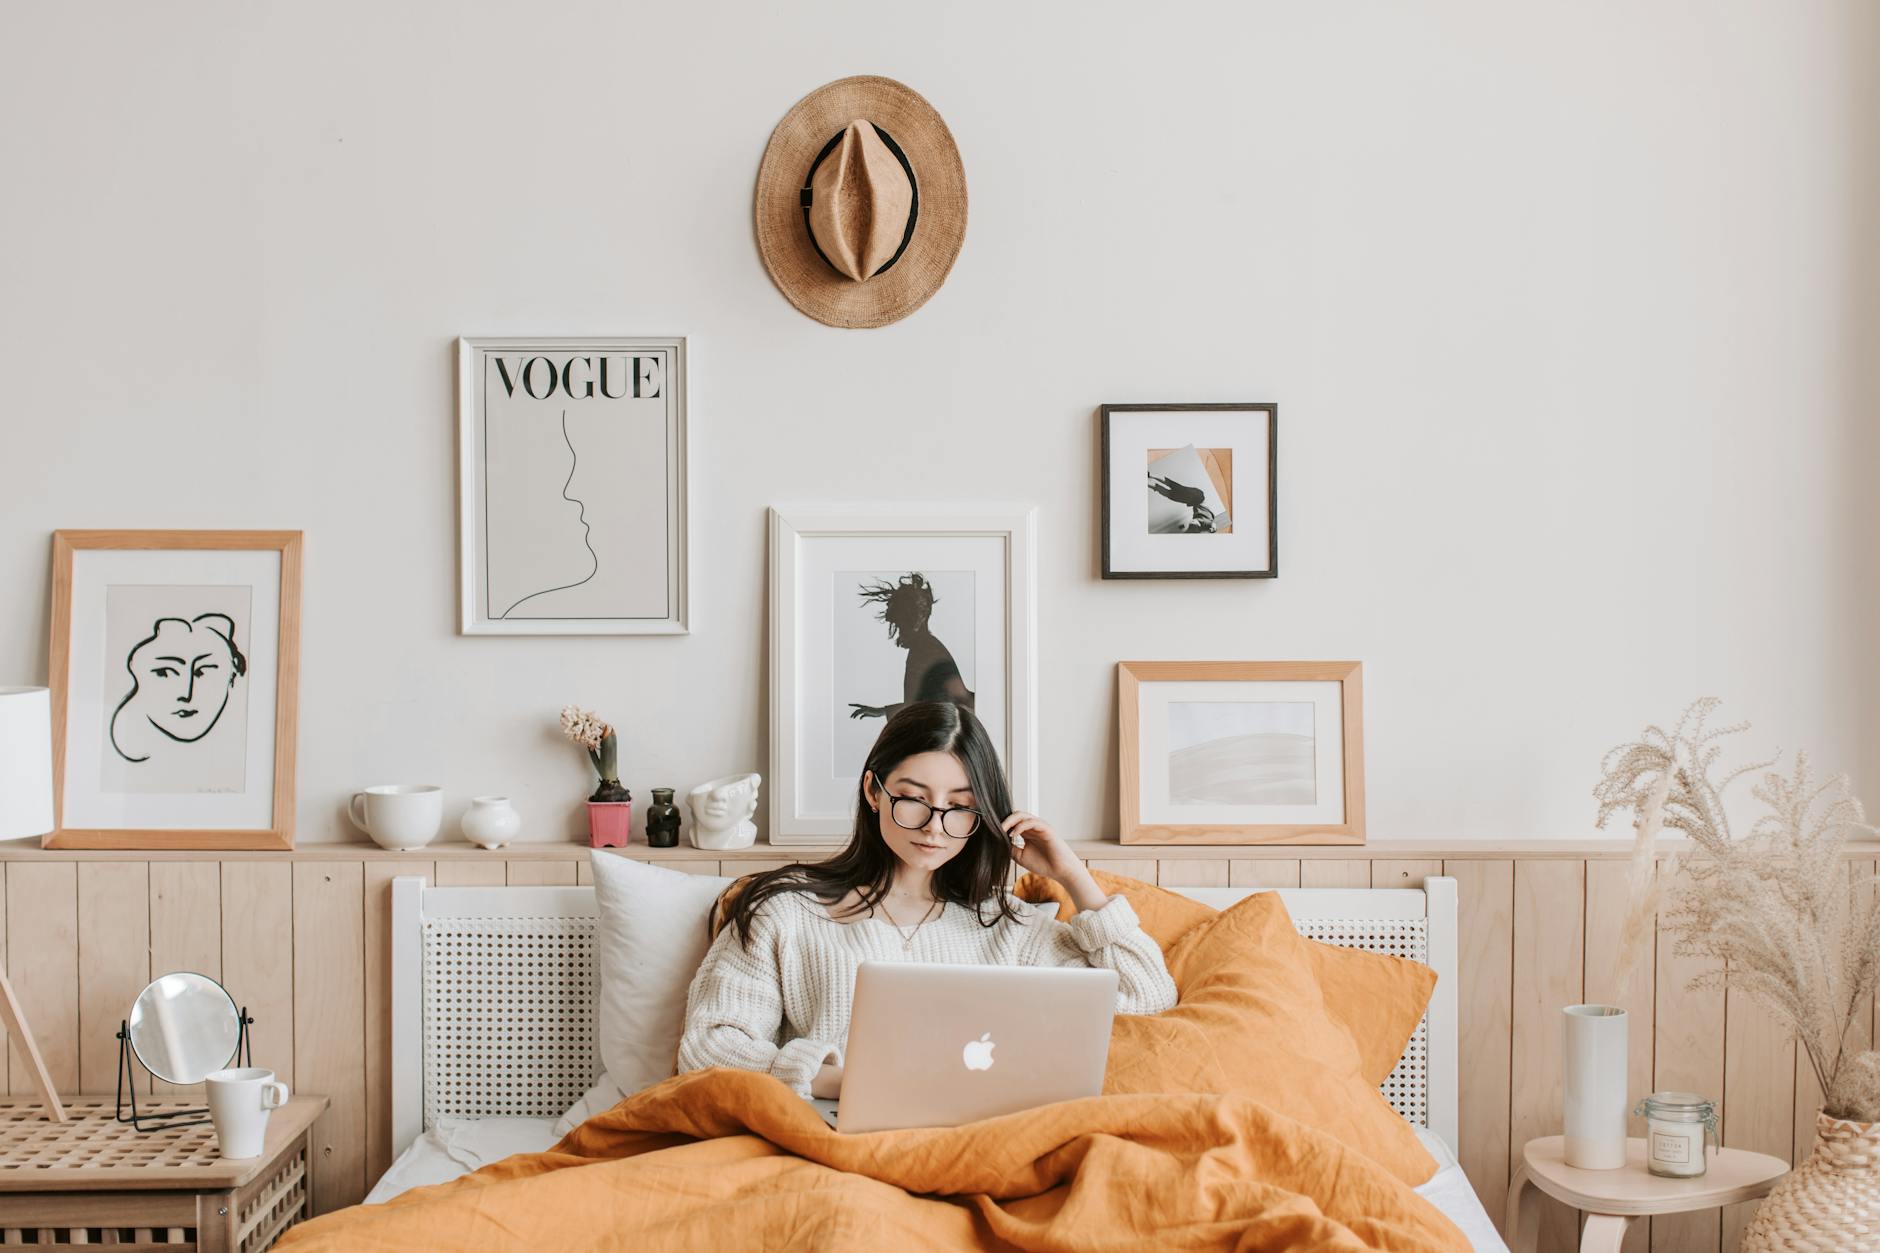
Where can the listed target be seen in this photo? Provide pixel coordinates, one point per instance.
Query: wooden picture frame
(278, 647)
(1208, 758)
(1249, 549)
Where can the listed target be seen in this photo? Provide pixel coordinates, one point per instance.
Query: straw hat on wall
(861, 202)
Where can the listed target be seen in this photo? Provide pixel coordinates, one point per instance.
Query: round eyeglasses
(914, 814)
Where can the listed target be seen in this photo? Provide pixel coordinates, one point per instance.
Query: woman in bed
(922, 879)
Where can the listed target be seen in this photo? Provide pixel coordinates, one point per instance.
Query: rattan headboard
(493, 994)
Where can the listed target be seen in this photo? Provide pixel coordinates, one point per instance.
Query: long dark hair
(976, 875)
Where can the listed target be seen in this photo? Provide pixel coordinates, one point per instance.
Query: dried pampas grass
(1775, 907)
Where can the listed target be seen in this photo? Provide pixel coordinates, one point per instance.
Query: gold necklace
(907, 937)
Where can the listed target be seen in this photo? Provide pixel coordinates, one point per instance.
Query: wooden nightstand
(95, 1180)
(1613, 1198)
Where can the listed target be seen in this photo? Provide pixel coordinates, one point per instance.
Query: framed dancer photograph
(572, 486)
(874, 607)
(174, 676)
(1240, 752)
(1189, 491)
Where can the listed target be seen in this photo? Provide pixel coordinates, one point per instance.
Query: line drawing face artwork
(587, 532)
(180, 724)
(574, 493)
(1190, 491)
(1242, 753)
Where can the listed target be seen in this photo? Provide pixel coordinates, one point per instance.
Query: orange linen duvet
(726, 1159)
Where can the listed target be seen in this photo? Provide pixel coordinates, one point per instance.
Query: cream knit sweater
(781, 1005)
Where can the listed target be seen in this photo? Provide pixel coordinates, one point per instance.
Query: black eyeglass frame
(894, 800)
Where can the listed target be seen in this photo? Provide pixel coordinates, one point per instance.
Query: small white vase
(491, 821)
(1593, 1104)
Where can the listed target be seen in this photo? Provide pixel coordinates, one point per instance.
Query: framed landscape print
(1190, 491)
(572, 492)
(1240, 752)
(174, 675)
(873, 608)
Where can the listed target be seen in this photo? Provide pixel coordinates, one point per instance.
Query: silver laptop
(938, 1045)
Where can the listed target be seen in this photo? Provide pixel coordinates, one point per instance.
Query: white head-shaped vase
(721, 812)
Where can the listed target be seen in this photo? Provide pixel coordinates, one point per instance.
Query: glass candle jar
(1677, 1126)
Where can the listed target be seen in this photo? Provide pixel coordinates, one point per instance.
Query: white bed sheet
(457, 1146)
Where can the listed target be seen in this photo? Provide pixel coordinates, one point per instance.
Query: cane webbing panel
(1408, 1088)
(508, 1016)
(509, 1012)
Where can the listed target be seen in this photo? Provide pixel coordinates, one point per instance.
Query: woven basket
(1829, 1202)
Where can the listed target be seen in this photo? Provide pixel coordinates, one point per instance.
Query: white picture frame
(579, 526)
(815, 553)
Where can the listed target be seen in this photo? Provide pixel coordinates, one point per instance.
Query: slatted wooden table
(94, 1180)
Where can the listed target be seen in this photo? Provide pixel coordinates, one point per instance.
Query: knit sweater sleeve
(1112, 937)
(734, 1013)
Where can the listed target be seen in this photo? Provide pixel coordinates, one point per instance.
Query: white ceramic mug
(239, 1103)
(398, 816)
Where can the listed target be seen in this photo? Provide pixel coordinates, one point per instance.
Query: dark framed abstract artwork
(1189, 491)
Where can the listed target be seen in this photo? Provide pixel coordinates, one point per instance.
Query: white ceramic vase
(1594, 1104)
(491, 821)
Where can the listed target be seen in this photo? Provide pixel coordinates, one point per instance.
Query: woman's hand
(866, 711)
(1039, 849)
(826, 1084)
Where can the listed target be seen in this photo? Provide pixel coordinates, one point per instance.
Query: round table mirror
(183, 1026)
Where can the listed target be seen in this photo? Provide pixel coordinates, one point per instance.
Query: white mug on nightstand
(239, 1103)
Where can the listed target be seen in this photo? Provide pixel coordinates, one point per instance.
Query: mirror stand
(127, 1080)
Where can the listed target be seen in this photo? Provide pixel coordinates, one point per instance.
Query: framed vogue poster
(871, 608)
(174, 676)
(572, 494)
(1240, 752)
(1190, 491)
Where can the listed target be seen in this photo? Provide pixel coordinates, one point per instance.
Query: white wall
(1564, 306)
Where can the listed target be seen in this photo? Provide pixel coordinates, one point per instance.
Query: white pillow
(648, 944)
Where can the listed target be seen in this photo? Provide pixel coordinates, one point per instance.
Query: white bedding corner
(457, 1146)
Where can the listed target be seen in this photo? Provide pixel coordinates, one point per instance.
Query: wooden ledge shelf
(1098, 850)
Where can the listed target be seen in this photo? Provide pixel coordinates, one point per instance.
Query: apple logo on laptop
(978, 1053)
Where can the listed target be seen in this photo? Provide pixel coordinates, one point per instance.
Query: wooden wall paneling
(584, 872)
(378, 991)
(1549, 952)
(1143, 868)
(1485, 975)
(258, 955)
(1404, 874)
(742, 868)
(554, 874)
(1608, 896)
(1758, 1092)
(1263, 873)
(1340, 873)
(1687, 1056)
(472, 874)
(113, 962)
(185, 929)
(329, 1021)
(42, 947)
(1196, 872)
(703, 867)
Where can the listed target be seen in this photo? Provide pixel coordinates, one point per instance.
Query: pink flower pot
(609, 823)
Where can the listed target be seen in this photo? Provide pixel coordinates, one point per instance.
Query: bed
(493, 1021)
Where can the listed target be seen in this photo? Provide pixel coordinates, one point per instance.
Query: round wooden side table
(1613, 1198)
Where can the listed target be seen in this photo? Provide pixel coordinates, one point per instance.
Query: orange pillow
(1251, 1022)
(1378, 999)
